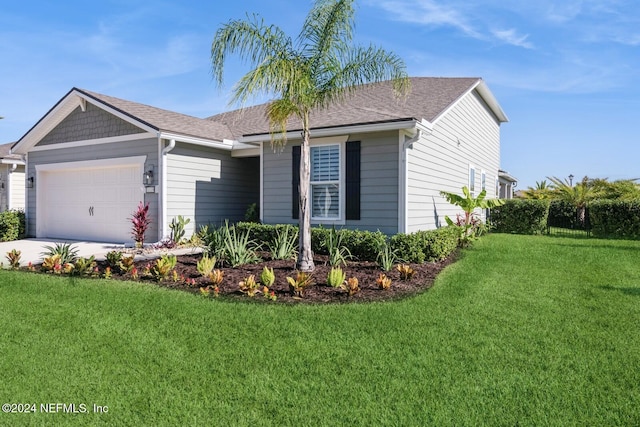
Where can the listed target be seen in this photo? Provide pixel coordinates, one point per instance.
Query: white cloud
(511, 37)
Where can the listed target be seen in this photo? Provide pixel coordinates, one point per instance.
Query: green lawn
(521, 331)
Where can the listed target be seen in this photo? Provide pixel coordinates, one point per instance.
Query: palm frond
(252, 40)
(327, 28)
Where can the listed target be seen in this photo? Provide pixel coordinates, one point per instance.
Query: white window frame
(340, 143)
(472, 180)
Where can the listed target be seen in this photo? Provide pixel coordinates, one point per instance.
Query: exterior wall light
(30, 181)
(148, 176)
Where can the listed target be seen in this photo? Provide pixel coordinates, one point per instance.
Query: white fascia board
(89, 142)
(486, 95)
(223, 145)
(12, 162)
(339, 130)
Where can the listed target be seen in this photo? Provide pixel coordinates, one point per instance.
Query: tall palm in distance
(320, 67)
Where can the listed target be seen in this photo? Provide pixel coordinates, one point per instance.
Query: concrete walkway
(32, 250)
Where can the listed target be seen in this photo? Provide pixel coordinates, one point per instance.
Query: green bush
(12, 225)
(362, 245)
(426, 245)
(563, 214)
(521, 216)
(618, 219)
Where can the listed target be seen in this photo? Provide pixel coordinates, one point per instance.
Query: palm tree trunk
(305, 255)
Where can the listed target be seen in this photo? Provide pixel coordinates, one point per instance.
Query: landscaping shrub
(12, 225)
(362, 245)
(618, 219)
(521, 216)
(426, 245)
(563, 214)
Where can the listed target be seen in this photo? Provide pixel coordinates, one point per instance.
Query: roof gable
(142, 117)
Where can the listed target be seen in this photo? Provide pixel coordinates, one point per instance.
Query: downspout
(163, 186)
(13, 168)
(404, 171)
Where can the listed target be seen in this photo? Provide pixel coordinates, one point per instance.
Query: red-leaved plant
(140, 222)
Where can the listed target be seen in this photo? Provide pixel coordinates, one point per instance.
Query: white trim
(224, 145)
(402, 183)
(83, 164)
(261, 207)
(485, 94)
(342, 153)
(115, 112)
(90, 142)
(11, 162)
(90, 164)
(163, 205)
(247, 152)
(334, 131)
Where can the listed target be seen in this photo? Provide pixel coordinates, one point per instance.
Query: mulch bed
(319, 293)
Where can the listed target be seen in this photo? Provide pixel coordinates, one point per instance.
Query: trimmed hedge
(563, 214)
(520, 216)
(12, 225)
(618, 219)
(429, 245)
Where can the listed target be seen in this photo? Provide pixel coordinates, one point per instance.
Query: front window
(472, 181)
(325, 182)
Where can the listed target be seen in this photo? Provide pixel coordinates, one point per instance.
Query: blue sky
(564, 71)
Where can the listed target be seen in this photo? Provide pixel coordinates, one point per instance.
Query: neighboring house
(506, 184)
(11, 179)
(377, 162)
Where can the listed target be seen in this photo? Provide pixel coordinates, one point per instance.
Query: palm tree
(578, 195)
(305, 75)
(542, 191)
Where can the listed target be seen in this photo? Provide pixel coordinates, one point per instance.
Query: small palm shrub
(67, 252)
(140, 221)
(13, 256)
(298, 285)
(387, 257)
(350, 286)
(163, 267)
(84, 266)
(338, 253)
(249, 286)
(336, 277)
(267, 277)
(205, 265)
(211, 241)
(284, 245)
(238, 248)
(406, 272)
(383, 281)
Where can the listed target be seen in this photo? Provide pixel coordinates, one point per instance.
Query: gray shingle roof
(5, 150)
(164, 120)
(371, 103)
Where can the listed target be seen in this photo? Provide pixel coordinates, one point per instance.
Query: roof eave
(407, 123)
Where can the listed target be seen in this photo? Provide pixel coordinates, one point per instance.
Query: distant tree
(622, 189)
(541, 191)
(579, 195)
(319, 68)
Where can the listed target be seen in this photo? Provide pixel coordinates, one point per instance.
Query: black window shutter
(352, 188)
(295, 182)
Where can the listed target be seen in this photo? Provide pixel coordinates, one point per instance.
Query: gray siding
(437, 163)
(143, 147)
(208, 185)
(378, 186)
(93, 123)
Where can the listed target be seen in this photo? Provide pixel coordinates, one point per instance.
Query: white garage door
(89, 203)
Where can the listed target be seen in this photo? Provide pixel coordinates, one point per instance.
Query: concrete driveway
(32, 248)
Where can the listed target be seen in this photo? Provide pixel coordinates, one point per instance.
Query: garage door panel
(90, 204)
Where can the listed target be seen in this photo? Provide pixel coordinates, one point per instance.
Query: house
(506, 184)
(11, 179)
(377, 162)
